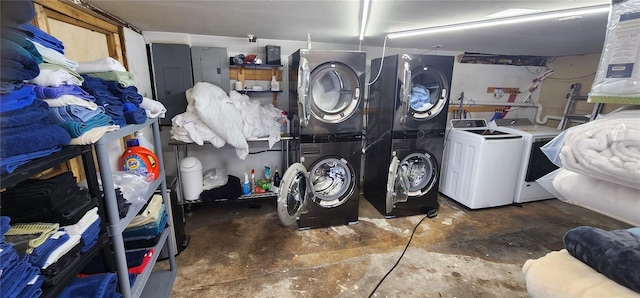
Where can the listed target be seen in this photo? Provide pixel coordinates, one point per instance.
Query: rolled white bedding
(606, 149)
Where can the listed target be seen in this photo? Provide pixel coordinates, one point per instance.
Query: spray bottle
(253, 180)
(246, 190)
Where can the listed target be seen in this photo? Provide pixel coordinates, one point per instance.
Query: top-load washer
(480, 165)
(326, 91)
(535, 163)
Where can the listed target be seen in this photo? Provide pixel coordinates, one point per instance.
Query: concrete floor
(239, 250)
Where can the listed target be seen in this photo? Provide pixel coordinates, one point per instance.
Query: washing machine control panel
(468, 123)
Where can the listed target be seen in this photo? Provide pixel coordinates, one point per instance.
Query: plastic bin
(191, 178)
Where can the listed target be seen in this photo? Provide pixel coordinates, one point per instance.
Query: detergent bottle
(144, 143)
(140, 160)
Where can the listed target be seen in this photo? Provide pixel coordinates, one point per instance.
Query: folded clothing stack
(26, 133)
(57, 199)
(121, 101)
(146, 228)
(42, 37)
(20, 58)
(19, 277)
(96, 285)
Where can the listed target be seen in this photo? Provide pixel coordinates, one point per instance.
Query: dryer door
(334, 92)
(294, 194)
(397, 185)
(303, 92)
(421, 171)
(333, 181)
(425, 94)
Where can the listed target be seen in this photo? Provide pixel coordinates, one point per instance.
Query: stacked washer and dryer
(406, 122)
(326, 98)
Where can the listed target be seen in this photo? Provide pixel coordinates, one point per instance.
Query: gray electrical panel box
(172, 77)
(211, 65)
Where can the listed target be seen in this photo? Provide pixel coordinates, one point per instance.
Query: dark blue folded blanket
(18, 99)
(615, 254)
(32, 138)
(24, 116)
(43, 37)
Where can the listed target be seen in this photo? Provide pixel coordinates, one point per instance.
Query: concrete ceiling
(337, 21)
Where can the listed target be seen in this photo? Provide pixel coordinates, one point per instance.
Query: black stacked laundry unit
(326, 98)
(406, 122)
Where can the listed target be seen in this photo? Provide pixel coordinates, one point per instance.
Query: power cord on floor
(400, 258)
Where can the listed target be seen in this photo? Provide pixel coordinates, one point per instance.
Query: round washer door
(334, 91)
(421, 172)
(332, 181)
(397, 184)
(429, 92)
(293, 195)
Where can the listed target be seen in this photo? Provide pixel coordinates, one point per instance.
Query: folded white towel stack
(100, 65)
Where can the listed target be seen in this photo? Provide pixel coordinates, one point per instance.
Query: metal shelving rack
(36, 166)
(284, 152)
(148, 284)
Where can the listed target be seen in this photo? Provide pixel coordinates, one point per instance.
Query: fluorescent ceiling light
(365, 16)
(512, 12)
(505, 21)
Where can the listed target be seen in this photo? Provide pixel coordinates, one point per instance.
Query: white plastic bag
(546, 181)
(552, 149)
(214, 178)
(133, 186)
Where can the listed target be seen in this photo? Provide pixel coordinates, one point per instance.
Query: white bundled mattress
(614, 200)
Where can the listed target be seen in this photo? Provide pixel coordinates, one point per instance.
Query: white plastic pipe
(546, 119)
